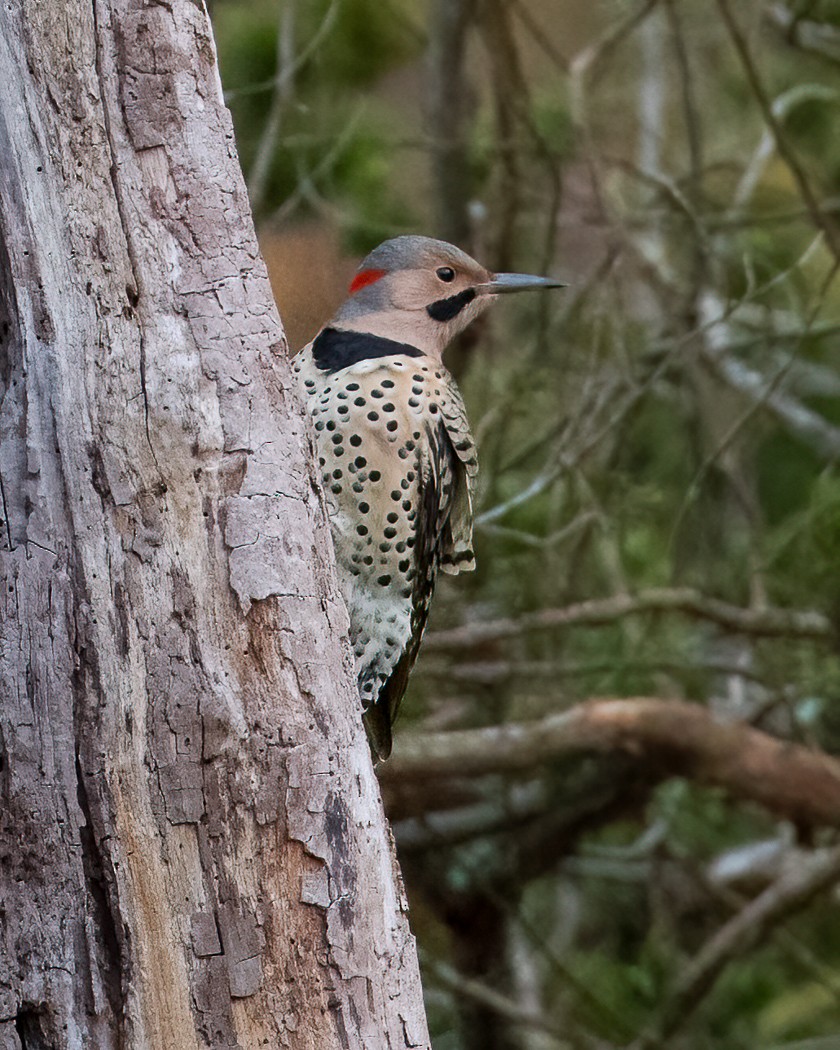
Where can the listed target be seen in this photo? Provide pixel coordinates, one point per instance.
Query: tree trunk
(192, 845)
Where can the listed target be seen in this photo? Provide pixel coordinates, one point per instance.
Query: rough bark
(192, 848)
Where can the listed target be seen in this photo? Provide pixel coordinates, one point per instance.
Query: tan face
(418, 289)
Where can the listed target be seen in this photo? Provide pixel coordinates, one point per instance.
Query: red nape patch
(363, 279)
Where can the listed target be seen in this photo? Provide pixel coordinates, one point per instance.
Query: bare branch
(764, 622)
(673, 738)
(493, 672)
(449, 105)
(806, 424)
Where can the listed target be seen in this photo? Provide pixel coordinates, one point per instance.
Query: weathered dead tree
(192, 845)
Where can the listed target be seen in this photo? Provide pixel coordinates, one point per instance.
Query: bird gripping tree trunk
(397, 458)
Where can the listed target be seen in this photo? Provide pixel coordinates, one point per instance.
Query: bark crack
(111, 968)
(134, 293)
(5, 512)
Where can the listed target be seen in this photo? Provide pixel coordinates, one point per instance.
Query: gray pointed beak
(516, 282)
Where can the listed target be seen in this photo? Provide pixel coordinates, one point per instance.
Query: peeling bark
(192, 848)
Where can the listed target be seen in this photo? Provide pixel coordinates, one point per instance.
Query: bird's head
(424, 292)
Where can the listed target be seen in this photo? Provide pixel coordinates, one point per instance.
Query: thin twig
(791, 892)
(287, 72)
(282, 90)
(785, 150)
(498, 1004)
(806, 424)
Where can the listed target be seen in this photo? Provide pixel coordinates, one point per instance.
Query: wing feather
(433, 543)
(457, 552)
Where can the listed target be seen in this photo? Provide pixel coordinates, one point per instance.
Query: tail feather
(377, 721)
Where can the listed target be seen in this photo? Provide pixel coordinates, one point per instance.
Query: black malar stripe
(446, 309)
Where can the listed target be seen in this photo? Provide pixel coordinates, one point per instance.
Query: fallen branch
(669, 737)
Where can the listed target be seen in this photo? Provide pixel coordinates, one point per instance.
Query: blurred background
(660, 504)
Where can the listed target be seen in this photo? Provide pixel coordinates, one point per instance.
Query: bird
(397, 459)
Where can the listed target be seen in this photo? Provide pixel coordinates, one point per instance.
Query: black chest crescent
(335, 349)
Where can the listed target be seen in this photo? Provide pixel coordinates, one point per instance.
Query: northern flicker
(396, 454)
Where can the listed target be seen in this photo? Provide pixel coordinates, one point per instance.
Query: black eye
(445, 273)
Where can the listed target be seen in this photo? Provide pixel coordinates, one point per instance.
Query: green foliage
(369, 39)
(327, 135)
(553, 123)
